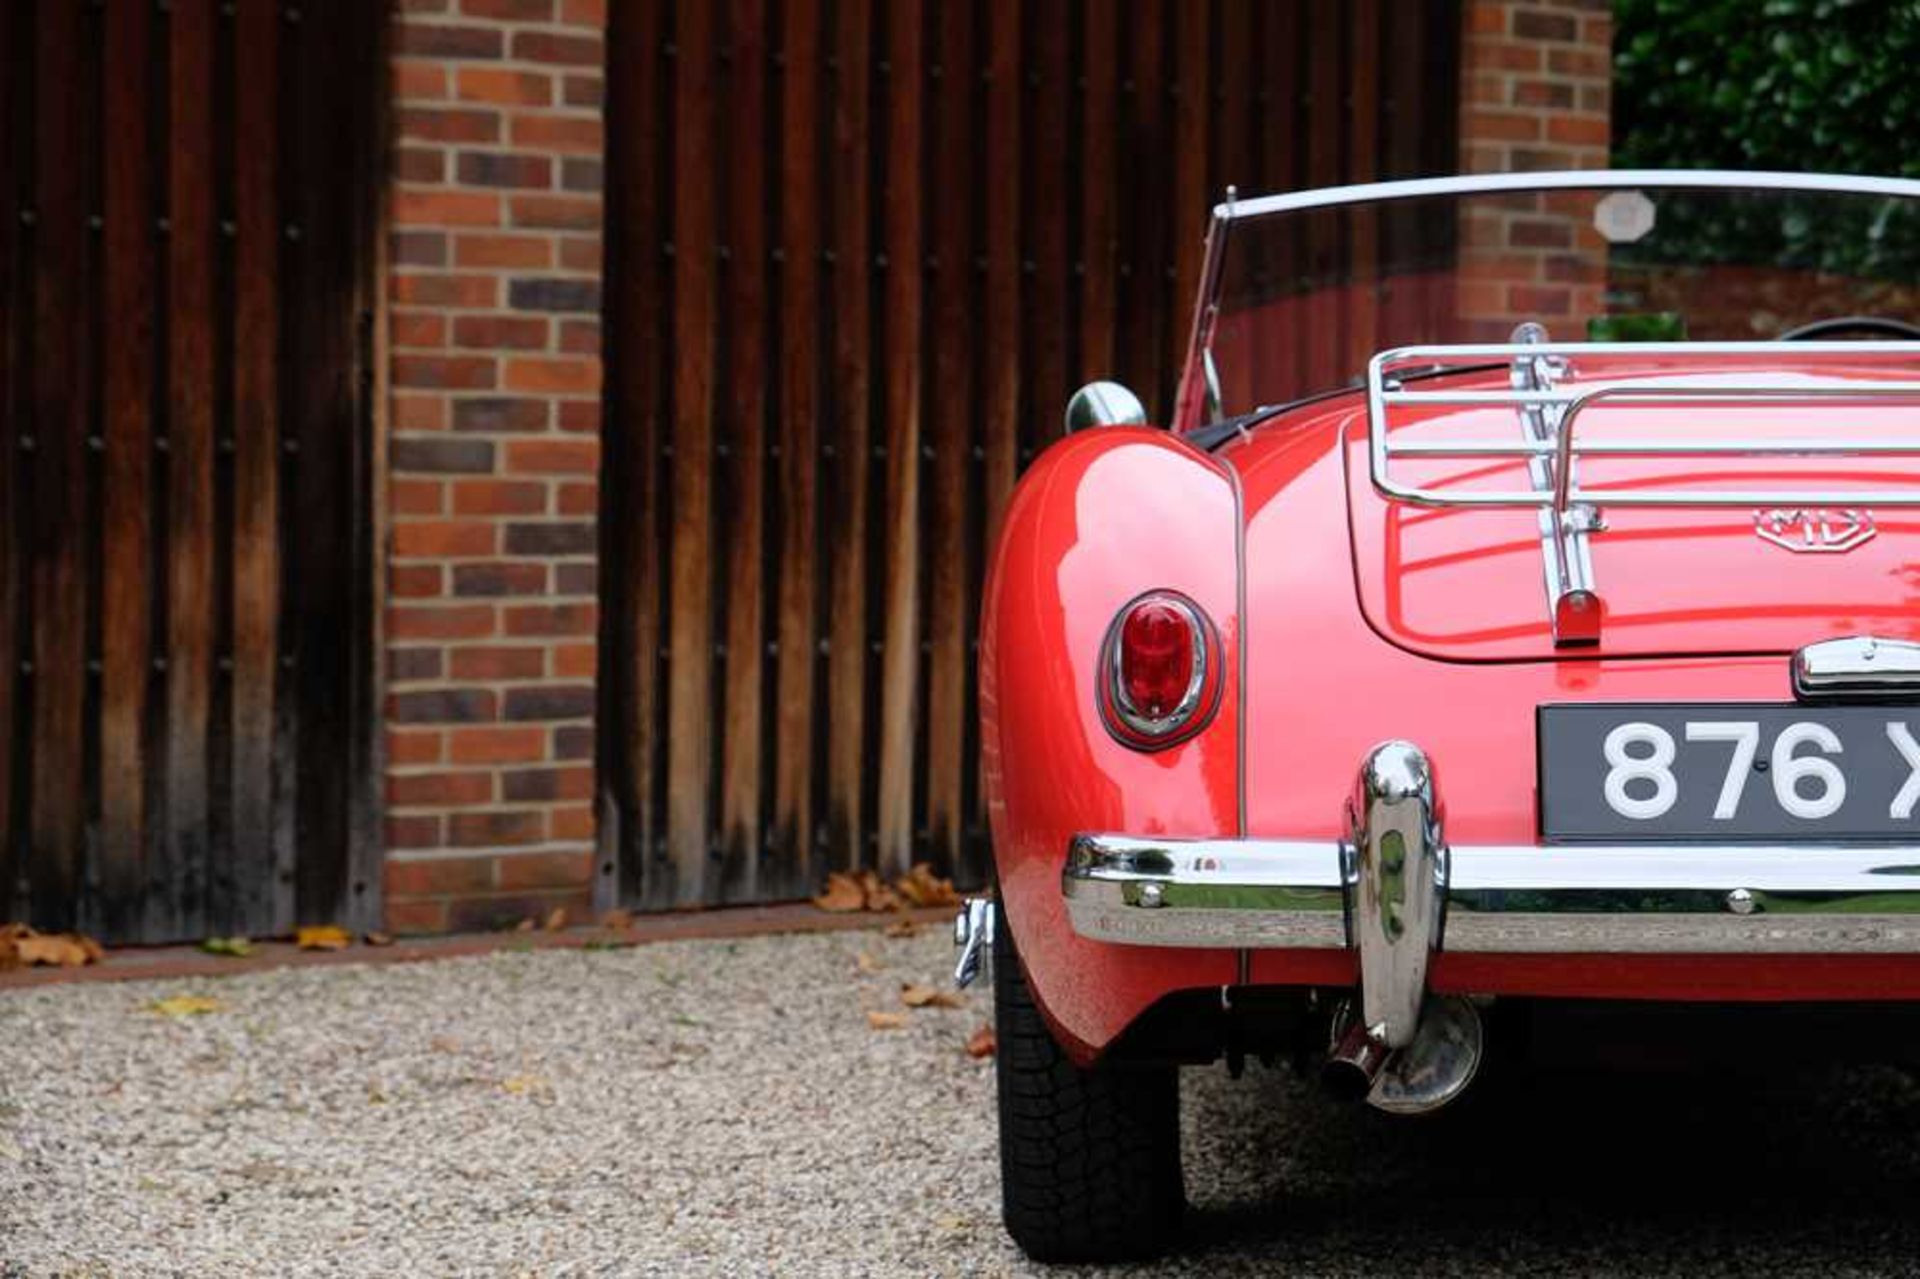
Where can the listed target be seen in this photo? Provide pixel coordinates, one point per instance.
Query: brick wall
(494, 293)
(1535, 93)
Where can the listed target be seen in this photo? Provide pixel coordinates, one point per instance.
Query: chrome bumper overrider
(1396, 892)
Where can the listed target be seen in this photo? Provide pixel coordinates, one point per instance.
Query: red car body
(1345, 619)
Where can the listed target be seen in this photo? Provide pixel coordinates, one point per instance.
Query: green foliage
(1810, 85)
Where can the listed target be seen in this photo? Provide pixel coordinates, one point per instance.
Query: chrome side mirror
(1104, 404)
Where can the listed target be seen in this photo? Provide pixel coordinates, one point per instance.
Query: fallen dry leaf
(914, 995)
(186, 1005)
(879, 897)
(556, 919)
(901, 928)
(842, 894)
(322, 937)
(982, 1042)
(886, 1021)
(231, 947)
(524, 926)
(866, 963)
(377, 939)
(57, 950)
(617, 919)
(924, 888)
(521, 1085)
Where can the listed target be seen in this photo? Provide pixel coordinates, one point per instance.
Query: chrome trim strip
(1857, 667)
(1518, 899)
(1599, 179)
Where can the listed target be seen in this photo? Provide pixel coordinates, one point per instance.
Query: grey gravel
(723, 1107)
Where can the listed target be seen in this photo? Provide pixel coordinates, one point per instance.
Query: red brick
(499, 497)
(416, 497)
(420, 164)
(1523, 299)
(1503, 126)
(1543, 93)
(409, 664)
(432, 876)
(1504, 57)
(575, 135)
(545, 870)
(453, 621)
(585, 91)
(584, 13)
(415, 581)
(573, 741)
(439, 790)
(580, 415)
(548, 702)
(419, 328)
(542, 46)
(419, 248)
(506, 744)
(421, 412)
(432, 40)
(578, 499)
(580, 337)
(407, 918)
(551, 619)
(419, 80)
(578, 375)
(499, 663)
(489, 332)
(434, 539)
(475, 914)
(553, 457)
(500, 415)
(558, 212)
(511, 578)
(413, 832)
(503, 251)
(577, 577)
(576, 661)
(549, 539)
(581, 253)
(445, 208)
(505, 169)
(1580, 131)
(509, 10)
(466, 373)
(1529, 24)
(575, 821)
(546, 785)
(1580, 62)
(488, 829)
(435, 124)
(407, 746)
(507, 88)
(446, 290)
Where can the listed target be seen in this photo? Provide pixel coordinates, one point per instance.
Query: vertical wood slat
(262, 894)
(799, 434)
(1363, 148)
(1145, 260)
(630, 502)
(1049, 95)
(848, 433)
(190, 411)
(59, 429)
(900, 399)
(690, 605)
(1189, 208)
(15, 85)
(1100, 148)
(127, 596)
(949, 465)
(1000, 391)
(741, 733)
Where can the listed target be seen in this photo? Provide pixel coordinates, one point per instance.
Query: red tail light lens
(1161, 682)
(1159, 653)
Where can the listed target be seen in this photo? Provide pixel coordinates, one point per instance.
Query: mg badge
(1815, 531)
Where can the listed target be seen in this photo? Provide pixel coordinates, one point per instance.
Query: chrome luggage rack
(1547, 392)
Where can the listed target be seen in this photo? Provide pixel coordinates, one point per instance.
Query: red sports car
(1517, 624)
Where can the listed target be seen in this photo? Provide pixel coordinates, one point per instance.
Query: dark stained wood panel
(187, 265)
(934, 219)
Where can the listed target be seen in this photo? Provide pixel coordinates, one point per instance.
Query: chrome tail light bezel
(1124, 721)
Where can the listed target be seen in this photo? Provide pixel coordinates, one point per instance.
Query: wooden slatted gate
(187, 577)
(861, 253)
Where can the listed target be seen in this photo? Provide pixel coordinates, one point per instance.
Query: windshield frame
(1190, 402)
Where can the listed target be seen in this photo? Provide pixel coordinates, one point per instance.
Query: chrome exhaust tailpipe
(1354, 1062)
(1428, 1073)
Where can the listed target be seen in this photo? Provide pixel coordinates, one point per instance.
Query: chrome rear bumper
(1396, 892)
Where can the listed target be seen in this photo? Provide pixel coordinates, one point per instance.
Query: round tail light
(1162, 677)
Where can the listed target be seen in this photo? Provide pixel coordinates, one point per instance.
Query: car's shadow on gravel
(1558, 1171)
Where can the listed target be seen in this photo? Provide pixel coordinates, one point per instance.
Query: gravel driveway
(710, 1107)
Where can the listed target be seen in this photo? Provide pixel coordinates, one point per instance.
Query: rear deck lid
(1812, 561)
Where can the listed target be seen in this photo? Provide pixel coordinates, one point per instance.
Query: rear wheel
(1089, 1159)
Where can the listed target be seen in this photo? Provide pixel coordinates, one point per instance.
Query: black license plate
(1729, 771)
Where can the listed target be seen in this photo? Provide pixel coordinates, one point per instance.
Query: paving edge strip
(167, 963)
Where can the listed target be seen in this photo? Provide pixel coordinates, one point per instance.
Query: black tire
(1089, 1159)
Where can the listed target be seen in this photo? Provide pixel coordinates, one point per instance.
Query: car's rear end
(1546, 670)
